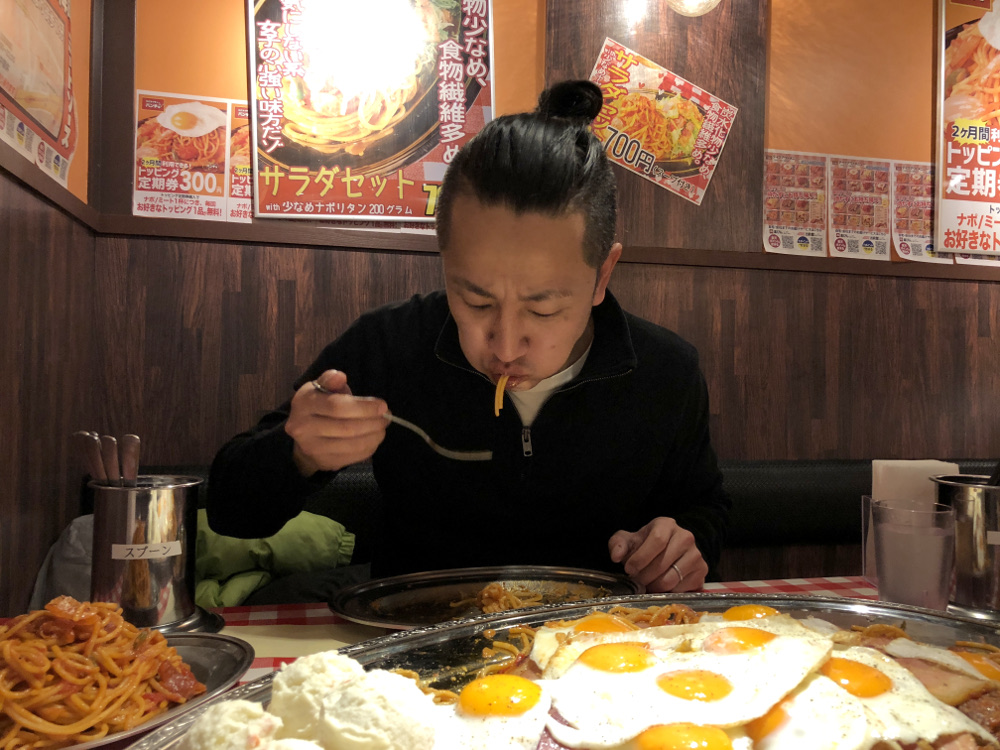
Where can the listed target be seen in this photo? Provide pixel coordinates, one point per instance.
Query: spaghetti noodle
(972, 78)
(75, 672)
(207, 152)
(498, 396)
(667, 127)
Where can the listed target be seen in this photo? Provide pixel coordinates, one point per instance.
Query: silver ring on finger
(318, 386)
(680, 576)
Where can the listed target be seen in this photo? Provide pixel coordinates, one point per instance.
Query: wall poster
(968, 151)
(37, 107)
(361, 125)
(658, 125)
(795, 191)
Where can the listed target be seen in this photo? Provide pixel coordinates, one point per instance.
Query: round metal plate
(419, 599)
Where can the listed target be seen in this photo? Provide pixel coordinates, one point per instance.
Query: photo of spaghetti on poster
(967, 200)
(657, 124)
(361, 124)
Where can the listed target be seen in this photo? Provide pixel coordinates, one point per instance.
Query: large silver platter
(449, 654)
(418, 599)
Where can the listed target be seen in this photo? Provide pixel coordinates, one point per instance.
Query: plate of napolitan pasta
(416, 599)
(77, 674)
(719, 671)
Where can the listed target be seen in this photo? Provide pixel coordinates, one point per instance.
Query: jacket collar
(611, 353)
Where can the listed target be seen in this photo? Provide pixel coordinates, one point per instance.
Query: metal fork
(446, 452)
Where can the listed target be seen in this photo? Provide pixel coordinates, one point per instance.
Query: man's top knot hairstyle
(547, 161)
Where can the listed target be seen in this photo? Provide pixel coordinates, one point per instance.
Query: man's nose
(506, 338)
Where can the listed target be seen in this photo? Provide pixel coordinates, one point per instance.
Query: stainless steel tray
(218, 661)
(418, 599)
(450, 653)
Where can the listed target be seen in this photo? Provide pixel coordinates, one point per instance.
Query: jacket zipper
(526, 441)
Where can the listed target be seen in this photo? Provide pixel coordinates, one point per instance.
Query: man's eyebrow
(542, 296)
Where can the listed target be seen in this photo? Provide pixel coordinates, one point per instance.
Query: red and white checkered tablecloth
(320, 614)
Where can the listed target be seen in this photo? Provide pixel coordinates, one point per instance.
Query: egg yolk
(982, 662)
(499, 695)
(736, 640)
(184, 120)
(600, 622)
(762, 726)
(748, 612)
(619, 657)
(695, 685)
(860, 680)
(681, 737)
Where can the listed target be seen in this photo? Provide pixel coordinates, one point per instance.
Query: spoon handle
(130, 459)
(109, 453)
(89, 448)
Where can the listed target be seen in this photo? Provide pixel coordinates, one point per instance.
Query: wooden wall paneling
(834, 366)
(216, 333)
(49, 373)
(724, 53)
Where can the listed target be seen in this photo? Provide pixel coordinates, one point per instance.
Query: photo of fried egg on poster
(859, 208)
(181, 156)
(967, 219)
(913, 212)
(362, 126)
(795, 203)
(658, 125)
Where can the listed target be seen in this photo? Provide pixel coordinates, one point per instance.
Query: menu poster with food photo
(240, 190)
(657, 124)
(912, 190)
(181, 148)
(795, 203)
(37, 113)
(363, 125)
(969, 133)
(859, 208)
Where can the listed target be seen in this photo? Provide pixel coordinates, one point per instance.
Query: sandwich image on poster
(657, 124)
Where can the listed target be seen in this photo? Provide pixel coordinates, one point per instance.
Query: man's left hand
(661, 556)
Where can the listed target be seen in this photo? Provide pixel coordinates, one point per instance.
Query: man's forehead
(532, 295)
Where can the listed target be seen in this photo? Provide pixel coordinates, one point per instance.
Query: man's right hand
(336, 429)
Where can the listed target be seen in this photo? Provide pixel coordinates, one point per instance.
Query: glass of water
(914, 552)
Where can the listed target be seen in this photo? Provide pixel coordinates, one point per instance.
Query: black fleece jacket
(625, 441)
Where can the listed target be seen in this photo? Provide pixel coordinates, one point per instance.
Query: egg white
(206, 118)
(457, 729)
(907, 710)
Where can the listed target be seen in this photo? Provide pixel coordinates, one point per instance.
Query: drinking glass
(914, 552)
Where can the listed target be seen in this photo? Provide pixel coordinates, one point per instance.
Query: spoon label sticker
(156, 551)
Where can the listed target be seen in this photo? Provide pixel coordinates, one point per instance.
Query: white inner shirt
(529, 402)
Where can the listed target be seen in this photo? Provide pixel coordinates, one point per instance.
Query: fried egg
(551, 636)
(616, 690)
(907, 649)
(685, 735)
(896, 698)
(496, 712)
(818, 715)
(191, 119)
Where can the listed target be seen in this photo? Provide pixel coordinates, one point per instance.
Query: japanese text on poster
(795, 212)
(37, 112)
(913, 212)
(968, 215)
(859, 208)
(182, 147)
(364, 127)
(657, 124)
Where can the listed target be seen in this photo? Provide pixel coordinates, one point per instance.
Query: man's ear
(604, 272)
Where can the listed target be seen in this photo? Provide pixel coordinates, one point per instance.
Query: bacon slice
(947, 686)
